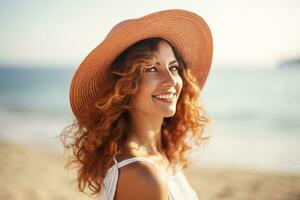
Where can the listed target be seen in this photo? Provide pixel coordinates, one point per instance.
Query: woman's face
(160, 85)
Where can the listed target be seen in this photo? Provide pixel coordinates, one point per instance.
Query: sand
(28, 173)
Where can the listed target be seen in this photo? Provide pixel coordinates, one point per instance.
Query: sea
(254, 114)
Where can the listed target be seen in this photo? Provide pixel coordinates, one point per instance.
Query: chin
(169, 113)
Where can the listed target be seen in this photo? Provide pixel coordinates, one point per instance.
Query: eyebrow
(174, 61)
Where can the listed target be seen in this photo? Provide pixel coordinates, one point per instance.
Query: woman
(136, 102)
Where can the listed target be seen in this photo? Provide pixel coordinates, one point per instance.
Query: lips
(167, 97)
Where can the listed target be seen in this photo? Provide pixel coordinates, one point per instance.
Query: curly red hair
(94, 139)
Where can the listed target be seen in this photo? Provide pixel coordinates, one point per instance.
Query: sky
(256, 33)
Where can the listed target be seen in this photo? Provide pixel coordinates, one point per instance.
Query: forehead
(164, 52)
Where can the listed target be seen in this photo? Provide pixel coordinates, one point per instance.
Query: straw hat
(186, 31)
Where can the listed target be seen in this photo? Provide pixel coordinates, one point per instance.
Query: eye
(150, 69)
(174, 68)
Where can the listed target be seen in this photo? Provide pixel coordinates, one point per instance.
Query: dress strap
(116, 162)
(134, 159)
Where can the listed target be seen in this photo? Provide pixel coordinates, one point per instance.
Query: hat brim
(186, 31)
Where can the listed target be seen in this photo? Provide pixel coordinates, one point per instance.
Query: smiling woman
(160, 85)
(136, 102)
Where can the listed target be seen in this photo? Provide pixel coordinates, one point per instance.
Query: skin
(144, 140)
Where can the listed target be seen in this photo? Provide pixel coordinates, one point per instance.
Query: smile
(167, 98)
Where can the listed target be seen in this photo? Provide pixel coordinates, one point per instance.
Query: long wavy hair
(95, 139)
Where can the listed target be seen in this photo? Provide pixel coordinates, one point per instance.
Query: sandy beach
(28, 173)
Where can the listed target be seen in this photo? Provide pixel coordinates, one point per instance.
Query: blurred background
(251, 96)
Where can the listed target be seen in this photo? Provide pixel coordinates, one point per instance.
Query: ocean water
(255, 118)
(255, 114)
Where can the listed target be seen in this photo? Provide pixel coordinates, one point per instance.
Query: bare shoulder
(141, 180)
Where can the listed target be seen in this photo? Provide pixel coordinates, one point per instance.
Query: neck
(145, 134)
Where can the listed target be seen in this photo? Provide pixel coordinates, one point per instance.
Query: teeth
(165, 96)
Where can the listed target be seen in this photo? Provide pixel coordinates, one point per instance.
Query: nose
(169, 79)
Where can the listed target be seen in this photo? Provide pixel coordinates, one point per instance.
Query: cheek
(149, 84)
(146, 89)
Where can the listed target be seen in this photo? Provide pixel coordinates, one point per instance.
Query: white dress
(178, 186)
